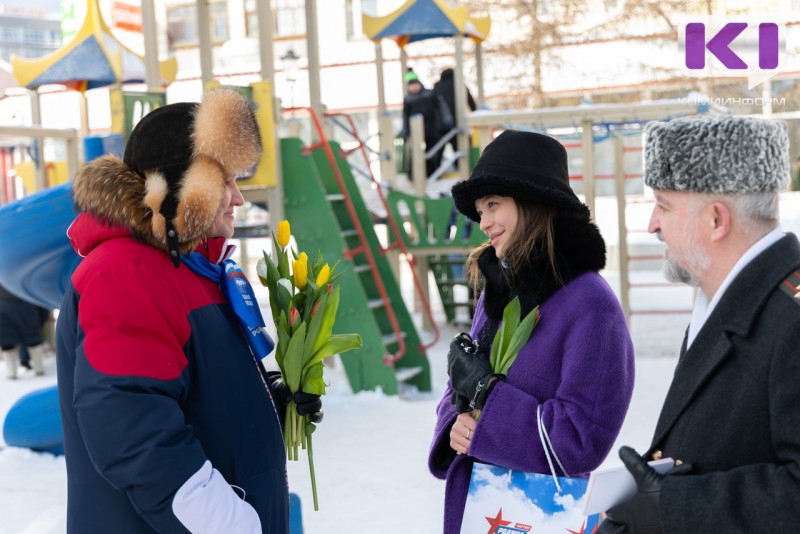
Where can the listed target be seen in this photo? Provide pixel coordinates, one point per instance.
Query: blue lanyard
(239, 294)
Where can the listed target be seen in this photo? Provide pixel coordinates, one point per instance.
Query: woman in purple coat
(578, 364)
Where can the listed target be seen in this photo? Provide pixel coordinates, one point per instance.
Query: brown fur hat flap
(226, 131)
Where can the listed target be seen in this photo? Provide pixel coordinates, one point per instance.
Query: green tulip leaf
(519, 338)
(328, 318)
(315, 325)
(510, 323)
(336, 344)
(293, 359)
(312, 380)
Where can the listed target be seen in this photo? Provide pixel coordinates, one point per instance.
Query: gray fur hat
(719, 155)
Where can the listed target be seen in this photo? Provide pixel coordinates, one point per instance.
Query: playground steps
(448, 271)
(320, 220)
(444, 237)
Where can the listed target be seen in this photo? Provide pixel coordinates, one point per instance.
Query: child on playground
(21, 325)
(578, 365)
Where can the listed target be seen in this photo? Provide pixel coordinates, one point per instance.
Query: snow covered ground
(371, 450)
(370, 455)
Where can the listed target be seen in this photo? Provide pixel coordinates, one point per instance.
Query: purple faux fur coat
(578, 364)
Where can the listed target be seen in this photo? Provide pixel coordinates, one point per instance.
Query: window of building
(182, 24)
(33, 36)
(289, 17)
(353, 11)
(11, 34)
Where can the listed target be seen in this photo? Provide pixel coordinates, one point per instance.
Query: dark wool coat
(578, 365)
(733, 409)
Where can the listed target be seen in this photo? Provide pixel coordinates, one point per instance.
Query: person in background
(577, 368)
(21, 326)
(730, 418)
(171, 423)
(436, 117)
(445, 88)
(796, 176)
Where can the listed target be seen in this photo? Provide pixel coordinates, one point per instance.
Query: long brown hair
(534, 229)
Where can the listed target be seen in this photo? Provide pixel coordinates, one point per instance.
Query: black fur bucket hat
(526, 166)
(170, 182)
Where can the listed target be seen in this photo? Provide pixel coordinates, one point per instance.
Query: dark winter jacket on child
(445, 88)
(435, 114)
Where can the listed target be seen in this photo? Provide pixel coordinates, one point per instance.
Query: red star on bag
(583, 529)
(496, 521)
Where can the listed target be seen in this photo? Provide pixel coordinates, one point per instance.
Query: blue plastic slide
(34, 422)
(36, 258)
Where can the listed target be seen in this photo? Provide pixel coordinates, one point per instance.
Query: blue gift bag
(504, 501)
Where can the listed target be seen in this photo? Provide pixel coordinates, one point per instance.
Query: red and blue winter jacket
(169, 424)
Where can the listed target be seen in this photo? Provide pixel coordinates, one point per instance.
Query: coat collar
(578, 248)
(88, 231)
(728, 320)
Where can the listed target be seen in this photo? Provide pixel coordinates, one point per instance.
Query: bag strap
(547, 445)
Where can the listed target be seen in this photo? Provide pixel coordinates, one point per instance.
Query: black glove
(307, 403)
(310, 405)
(460, 401)
(470, 373)
(640, 514)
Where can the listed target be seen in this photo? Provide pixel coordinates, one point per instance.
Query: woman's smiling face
(499, 217)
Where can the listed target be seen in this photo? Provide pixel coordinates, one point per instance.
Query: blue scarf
(237, 291)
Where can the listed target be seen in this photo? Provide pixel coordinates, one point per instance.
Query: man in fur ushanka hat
(731, 417)
(171, 423)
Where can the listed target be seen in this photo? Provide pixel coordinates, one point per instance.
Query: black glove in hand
(470, 373)
(639, 514)
(307, 403)
(280, 390)
(460, 401)
(310, 405)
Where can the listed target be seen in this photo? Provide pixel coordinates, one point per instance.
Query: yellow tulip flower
(284, 232)
(300, 269)
(323, 275)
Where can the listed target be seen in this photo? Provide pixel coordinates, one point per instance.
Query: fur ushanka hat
(718, 155)
(526, 166)
(169, 185)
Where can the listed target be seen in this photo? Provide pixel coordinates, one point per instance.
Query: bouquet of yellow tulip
(304, 304)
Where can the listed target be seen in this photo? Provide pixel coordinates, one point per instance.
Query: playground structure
(419, 20)
(328, 211)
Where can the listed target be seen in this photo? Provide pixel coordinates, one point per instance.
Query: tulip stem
(311, 469)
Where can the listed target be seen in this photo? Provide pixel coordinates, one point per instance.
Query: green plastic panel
(432, 228)
(320, 222)
(137, 105)
(414, 356)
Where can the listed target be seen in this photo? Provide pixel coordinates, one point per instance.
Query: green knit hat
(411, 76)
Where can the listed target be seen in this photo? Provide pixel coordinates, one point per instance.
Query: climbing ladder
(448, 271)
(327, 213)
